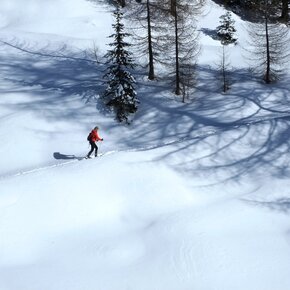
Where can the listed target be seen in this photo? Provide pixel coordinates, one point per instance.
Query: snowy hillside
(189, 196)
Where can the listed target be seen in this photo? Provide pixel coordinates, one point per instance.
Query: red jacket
(95, 136)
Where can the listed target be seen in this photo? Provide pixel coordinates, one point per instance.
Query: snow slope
(190, 196)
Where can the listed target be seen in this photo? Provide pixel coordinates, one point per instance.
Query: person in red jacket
(93, 138)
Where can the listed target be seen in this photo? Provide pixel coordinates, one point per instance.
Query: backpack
(89, 137)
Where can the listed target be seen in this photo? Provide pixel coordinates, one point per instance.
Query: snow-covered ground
(189, 196)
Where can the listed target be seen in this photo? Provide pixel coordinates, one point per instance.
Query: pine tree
(226, 34)
(226, 31)
(120, 94)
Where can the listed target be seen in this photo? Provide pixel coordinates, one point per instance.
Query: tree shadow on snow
(216, 135)
(280, 204)
(67, 72)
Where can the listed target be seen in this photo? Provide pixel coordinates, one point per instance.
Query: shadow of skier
(61, 156)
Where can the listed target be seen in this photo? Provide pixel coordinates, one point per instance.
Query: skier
(93, 138)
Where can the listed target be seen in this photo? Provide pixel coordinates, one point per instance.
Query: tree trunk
(267, 75)
(151, 75)
(177, 76)
(173, 7)
(285, 10)
(225, 87)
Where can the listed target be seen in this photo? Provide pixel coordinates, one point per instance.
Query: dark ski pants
(93, 147)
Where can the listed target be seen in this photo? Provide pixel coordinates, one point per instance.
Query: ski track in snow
(231, 126)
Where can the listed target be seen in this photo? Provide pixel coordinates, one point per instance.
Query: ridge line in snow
(47, 54)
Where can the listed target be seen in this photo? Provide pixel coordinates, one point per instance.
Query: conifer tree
(226, 31)
(226, 35)
(120, 94)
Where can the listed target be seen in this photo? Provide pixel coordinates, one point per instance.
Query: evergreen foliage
(120, 94)
(226, 34)
(226, 31)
